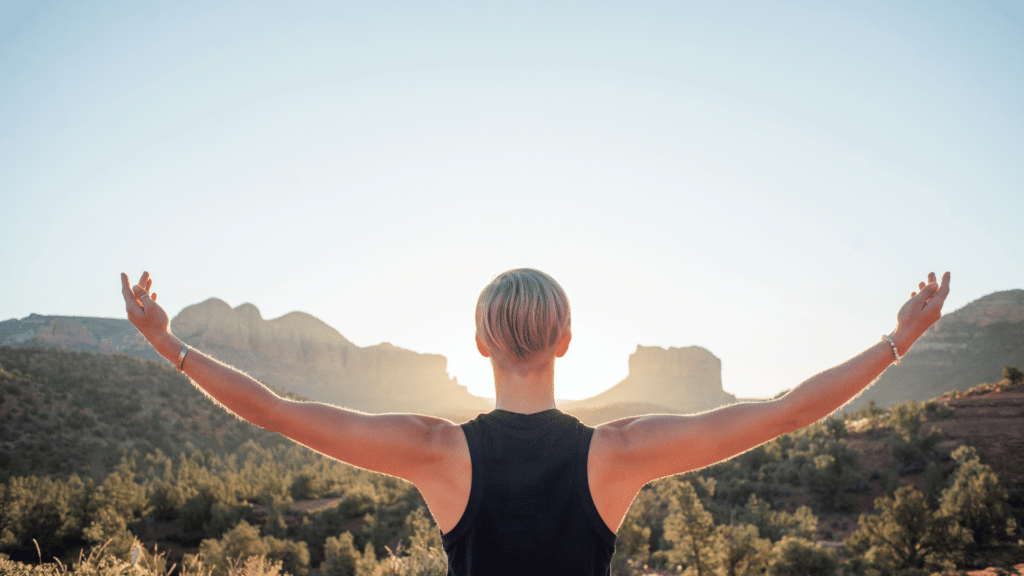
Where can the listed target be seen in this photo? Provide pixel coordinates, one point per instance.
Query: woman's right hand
(922, 310)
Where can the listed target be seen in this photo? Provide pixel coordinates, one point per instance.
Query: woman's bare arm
(628, 453)
(408, 446)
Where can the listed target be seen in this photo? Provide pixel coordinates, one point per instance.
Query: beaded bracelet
(895, 352)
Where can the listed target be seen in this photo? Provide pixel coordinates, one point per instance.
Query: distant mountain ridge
(963, 349)
(302, 354)
(77, 333)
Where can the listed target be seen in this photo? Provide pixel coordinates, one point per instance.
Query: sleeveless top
(530, 509)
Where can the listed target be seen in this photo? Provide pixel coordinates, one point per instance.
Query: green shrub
(775, 524)
(836, 427)
(904, 533)
(340, 556)
(1012, 376)
(244, 541)
(905, 419)
(977, 503)
(793, 556)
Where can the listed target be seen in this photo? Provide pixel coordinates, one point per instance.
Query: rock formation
(684, 380)
(78, 333)
(304, 355)
(963, 349)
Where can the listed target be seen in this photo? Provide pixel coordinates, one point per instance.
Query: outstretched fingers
(941, 291)
(131, 302)
(134, 296)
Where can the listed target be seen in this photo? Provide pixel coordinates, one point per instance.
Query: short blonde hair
(522, 313)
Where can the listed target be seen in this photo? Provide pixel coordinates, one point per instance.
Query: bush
(774, 524)
(340, 556)
(977, 503)
(244, 541)
(904, 533)
(793, 556)
(1012, 376)
(905, 419)
(743, 551)
(836, 427)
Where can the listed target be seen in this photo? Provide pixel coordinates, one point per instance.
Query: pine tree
(690, 529)
(793, 556)
(744, 552)
(977, 503)
(905, 533)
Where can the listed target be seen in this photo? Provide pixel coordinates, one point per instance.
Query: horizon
(766, 182)
(559, 400)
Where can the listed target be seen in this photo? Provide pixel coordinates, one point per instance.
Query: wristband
(891, 342)
(181, 358)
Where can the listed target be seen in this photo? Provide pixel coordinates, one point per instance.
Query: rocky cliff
(963, 349)
(304, 355)
(78, 333)
(684, 380)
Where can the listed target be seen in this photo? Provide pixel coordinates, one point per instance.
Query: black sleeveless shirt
(530, 511)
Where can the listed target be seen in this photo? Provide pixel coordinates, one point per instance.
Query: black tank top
(530, 511)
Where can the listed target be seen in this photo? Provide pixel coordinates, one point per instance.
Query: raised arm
(421, 449)
(628, 453)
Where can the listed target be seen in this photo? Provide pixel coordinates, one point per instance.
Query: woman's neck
(525, 392)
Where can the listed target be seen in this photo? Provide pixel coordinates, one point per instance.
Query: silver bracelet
(184, 350)
(895, 352)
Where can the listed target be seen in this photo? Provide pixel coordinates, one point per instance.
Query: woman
(526, 489)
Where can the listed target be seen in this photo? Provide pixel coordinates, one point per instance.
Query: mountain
(683, 380)
(64, 412)
(299, 353)
(78, 333)
(304, 355)
(963, 349)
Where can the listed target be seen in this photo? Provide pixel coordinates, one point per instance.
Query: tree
(244, 541)
(690, 529)
(340, 556)
(905, 533)
(423, 556)
(743, 551)
(977, 503)
(774, 524)
(794, 556)
(905, 419)
(1013, 375)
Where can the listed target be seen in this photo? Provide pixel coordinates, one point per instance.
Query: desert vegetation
(111, 462)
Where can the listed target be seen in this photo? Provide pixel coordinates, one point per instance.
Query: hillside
(78, 333)
(65, 412)
(989, 417)
(960, 351)
(302, 354)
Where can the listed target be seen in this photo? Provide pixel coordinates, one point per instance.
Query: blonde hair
(522, 313)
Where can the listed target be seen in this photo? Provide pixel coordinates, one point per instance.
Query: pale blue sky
(768, 181)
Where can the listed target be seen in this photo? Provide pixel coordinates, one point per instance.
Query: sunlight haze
(766, 181)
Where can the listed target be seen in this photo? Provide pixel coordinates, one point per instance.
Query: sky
(768, 181)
